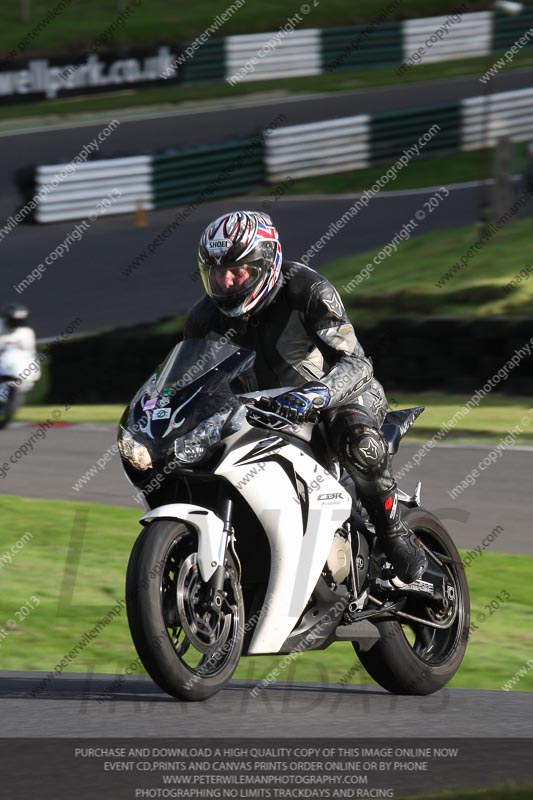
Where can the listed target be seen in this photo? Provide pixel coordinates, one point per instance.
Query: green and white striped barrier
(292, 51)
(149, 181)
(195, 175)
(405, 44)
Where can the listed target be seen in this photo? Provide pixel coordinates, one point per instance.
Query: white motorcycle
(19, 371)
(255, 542)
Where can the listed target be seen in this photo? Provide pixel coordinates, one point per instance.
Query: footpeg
(416, 586)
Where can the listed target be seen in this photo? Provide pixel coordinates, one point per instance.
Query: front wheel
(9, 402)
(190, 650)
(413, 658)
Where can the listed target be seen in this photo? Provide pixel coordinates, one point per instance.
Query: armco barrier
(507, 29)
(403, 352)
(77, 194)
(393, 132)
(152, 181)
(361, 46)
(445, 38)
(262, 56)
(206, 172)
(271, 55)
(319, 148)
(208, 65)
(220, 170)
(485, 119)
(357, 142)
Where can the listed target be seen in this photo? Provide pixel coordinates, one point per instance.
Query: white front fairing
(19, 365)
(265, 479)
(209, 527)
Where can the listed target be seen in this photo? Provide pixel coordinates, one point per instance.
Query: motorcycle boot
(365, 455)
(394, 536)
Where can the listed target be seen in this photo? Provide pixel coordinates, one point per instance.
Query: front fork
(214, 595)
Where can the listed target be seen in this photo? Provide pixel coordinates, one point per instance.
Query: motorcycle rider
(295, 321)
(13, 330)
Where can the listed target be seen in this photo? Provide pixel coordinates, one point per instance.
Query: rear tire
(428, 660)
(162, 585)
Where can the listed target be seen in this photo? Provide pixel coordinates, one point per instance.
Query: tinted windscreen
(193, 383)
(192, 358)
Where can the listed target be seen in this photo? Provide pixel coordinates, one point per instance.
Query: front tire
(416, 659)
(189, 652)
(9, 402)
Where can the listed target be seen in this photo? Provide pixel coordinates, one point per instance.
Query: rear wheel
(191, 651)
(415, 658)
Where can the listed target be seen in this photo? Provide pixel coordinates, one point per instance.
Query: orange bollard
(140, 215)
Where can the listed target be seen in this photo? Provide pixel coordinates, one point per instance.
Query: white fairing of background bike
(297, 555)
(19, 365)
(209, 527)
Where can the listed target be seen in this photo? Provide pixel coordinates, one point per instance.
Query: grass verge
(79, 24)
(428, 170)
(398, 285)
(96, 414)
(75, 565)
(491, 420)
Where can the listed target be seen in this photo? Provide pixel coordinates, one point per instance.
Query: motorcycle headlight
(194, 445)
(137, 454)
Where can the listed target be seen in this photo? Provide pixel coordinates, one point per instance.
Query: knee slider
(366, 449)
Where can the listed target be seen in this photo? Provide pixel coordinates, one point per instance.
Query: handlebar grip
(267, 403)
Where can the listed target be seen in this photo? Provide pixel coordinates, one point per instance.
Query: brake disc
(206, 630)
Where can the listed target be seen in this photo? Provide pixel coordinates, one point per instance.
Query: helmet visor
(231, 285)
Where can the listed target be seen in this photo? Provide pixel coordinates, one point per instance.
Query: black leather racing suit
(304, 335)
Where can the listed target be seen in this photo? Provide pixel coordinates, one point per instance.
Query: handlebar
(259, 407)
